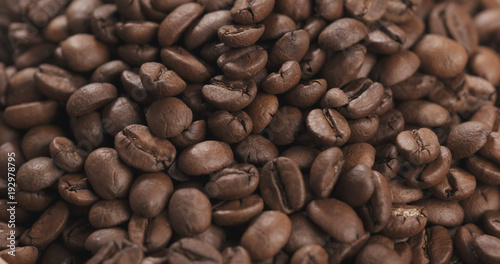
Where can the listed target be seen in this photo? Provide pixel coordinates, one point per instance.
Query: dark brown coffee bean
(37, 174)
(235, 255)
(206, 28)
(334, 98)
(442, 212)
(35, 201)
(151, 234)
(119, 251)
(400, 11)
(26, 254)
(132, 32)
(86, 57)
(484, 63)
(432, 245)
(364, 97)
(231, 127)
(282, 185)
(237, 36)
(486, 248)
(488, 115)
(133, 87)
(90, 97)
(109, 176)
(406, 221)
(56, 83)
(435, 48)
(454, 21)
(261, 110)
(273, 226)
(403, 194)
(387, 160)
(396, 68)
(183, 251)
(160, 81)
(168, 117)
(75, 188)
(291, 46)
(328, 127)
(189, 211)
(104, 214)
(457, 185)
(149, 194)
(276, 25)
(342, 34)
(311, 253)
(88, 132)
(467, 138)
(202, 154)
(36, 141)
(484, 198)
(415, 87)
(48, 227)
(243, 63)
(358, 153)
(285, 79)
(120, 113)
(348, 226)
(233, 182)
(189, 68)
(377, 211)
(385, 37)
(427, 175)
(109, 71)
(418, 146)
(285, 125)
(491, 220)
(136, 55)
(325, 171)
(359, 179)
(363, 129)
(390, 125)
(305, 95)
(304, 232)
(303, 156)
(177, 22)
(463, 242)
(28, 115)
(230, 95)
(101, 237)
(329, 10)
(214, 235)
(256, 149)
(250, 12)
(138, 148)
(22, 88)
(75, 233)
(195, 133)
(424, 113)
(237, 212)
(377, 253)
(369, 11)
(344, 66)
(102, 22)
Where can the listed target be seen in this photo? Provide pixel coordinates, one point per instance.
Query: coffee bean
(160, 81)
(490, 222)
(35, 201)
(230, 95)
(359, 179)
(414, 87)
(177, 22)
(282, 185)
(237, 212)
(256, 149)
(302, 156)
(242, 63)
(486, 247)
(107, 174)
(101, 237)
(137, 32)
(310, 253)
(149, 194)
(189, 211)
(342, 34)
(86, 57)
(348, 227)
(305, 95)
(328, 127)
(403, 194)
(428, 175)
(26, 254)
(396, 68)
(291, 46)
(37, 174)
(103, 19)
(203, 153)
(36, 141)
(377, 252)
(276, 25)
(75, 234)
(364, 97)
(358, 153)
(76, 189)
(390, 125)
(424, 113)
(387, 160)
(274, 223)
(406, 221)
(233, 182)
(28, 115)
(377, 211)
(168, 117)
(325, 171)
(89, 98)
(418, 146)
(151, 234)
(285, 125)
(57, 83)
(121, 251)
(285, 79)
(432, 245)
(234, 255)
(344, 66)
(109, 71)
(369, 11)
(484, 63)
(237, 36)
(185, 248)
(136, 55)
(109, 213)
(442, 212)
(48, 227)
(484, 198)
(250, 12)
(457, 185)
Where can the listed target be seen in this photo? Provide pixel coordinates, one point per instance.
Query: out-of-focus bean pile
(249, 131)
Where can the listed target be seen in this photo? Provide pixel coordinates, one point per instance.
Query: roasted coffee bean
(467, 138)
(22, 88)
(136, 55)
(102, 22)
(230, 95)
(107, 174)
(237, 36)
(418, 146)
(359, 179)
(364, 97)
(120, 113)
(432, 245)
(37, 174)
(119, 251)
(231, 127)
(36, 141)
(348, 227)
(387, 161)
(440, 55)
(311, 253)
(358, 153)
(187, 66)
(395, 68)
(109, 213)
(206, 28)
(490, 223)
(276, 25)
(243, 62)
(138, 148)
(457, 185)
(203, 154)
(168, 117)
(403, 194)
(484, 198)
(342, 34)
(424, 113)
(48, 227)
(369, 11)
(325, 171)
(28, 115)
(35, 201)
(234, 255)
(250, 12)
(237, 212)
(151, 234)
(377, 252)
(302, 156)
(184, 250)
(441, 212)
(189, 211)
(88, 131)
(291, 46)
(414, 87)
(26, 254)
(390, 125)
(344, 66)
(57, 83)
(90, 97)
(101, 237)
(233, 182)
(109, 71)
(304, 232)
(75, 234)
(285, 79)
(75, 188)
(137, 32)
(282, 185)
(195, 133)
(377, 211)
(177, 22)
(86, 57)
(328, 127)
(484, 63)
(273, 223)
(406, 221)
(65, 154)
(305, 95)
(256, 149)
(427, 175)
(285, 125)
(133, 86)
(160, 81)
(261, 110)
(149, 194)
(463, 241)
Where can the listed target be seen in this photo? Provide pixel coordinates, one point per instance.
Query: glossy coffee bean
(230, 95)
(233, 182)
(177, 22)
(237, 212)
(467, 138)
(168, 117)
(249, 12)
(84, 57)
(149, 194)
(76, 189)
(90, 97)
(457, 185)
(328, 127)
(160, 81)
(189, 211)
(418, 146)
(151, 234)
(48, 227)
(37, 174)
(240, 35)
(406, 221)
(109, 213)
(442, 212)
(210, 155)
(325, 171)
(432, 245)
(243, 62)
(342, 34)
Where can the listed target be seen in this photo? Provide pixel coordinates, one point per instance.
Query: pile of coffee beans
(249, 131)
